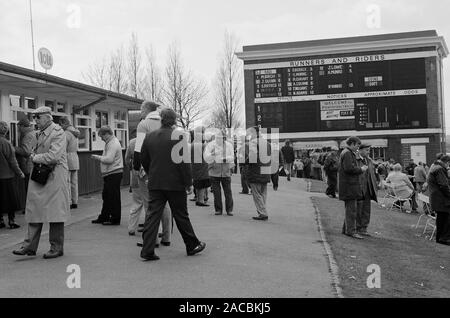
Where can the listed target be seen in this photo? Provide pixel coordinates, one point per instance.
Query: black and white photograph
(224, 157)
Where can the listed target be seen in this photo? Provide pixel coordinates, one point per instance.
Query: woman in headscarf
(8, 169)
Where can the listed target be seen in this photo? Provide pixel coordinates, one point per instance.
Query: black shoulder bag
(41, 171)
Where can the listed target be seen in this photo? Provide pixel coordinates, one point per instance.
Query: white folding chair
(431, 222)
(428, 213)
(426, 206)
(398, 200)
(389, 190)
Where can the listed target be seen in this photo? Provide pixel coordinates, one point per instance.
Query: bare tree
(134, 66)
(98, 74)
(152, 83)
(183, 91)
(228, 85)
(118, 71)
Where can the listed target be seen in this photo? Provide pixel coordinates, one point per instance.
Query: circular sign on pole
(45, 58)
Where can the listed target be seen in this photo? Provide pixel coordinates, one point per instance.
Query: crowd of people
(167, 164)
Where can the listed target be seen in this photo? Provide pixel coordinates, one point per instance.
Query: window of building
(30, 103)
(83, 122)
(51, 104)
(101, 119)
(120, 127)
(15, 101)
(61, 107)
(378, 153)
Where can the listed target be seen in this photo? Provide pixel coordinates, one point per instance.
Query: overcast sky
(198, 27)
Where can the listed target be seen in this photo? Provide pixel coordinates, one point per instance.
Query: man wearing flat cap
(27, 143)
(369, 190)
(47, 202)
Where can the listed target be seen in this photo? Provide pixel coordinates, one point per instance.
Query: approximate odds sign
(337, 109)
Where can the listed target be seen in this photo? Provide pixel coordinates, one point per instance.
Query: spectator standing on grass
(350, 190)
(289, 157)
(331, 169)
(438, 184)
(369, 190)
(277, 161)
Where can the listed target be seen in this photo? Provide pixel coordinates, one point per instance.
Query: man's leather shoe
(260, 218)
(356, 236)
(200, 247)
(74, 206)
(97, 221)
(242, 192)
(140, 230)
(165, 243)
(364, 234)
(53, 254)
(218, 213)
(110, 223)
(230, 213)
(139, 244)
(201, 204)
(153, 257)
(131, 233)
(23, 252)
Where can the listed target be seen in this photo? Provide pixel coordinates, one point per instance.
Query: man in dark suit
(170, 180)
(350, 190)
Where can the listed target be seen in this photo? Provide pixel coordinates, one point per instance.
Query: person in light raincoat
(49, 202)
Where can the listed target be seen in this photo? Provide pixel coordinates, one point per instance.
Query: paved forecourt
(282, 257)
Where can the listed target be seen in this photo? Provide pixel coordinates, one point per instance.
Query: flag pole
(32, 36)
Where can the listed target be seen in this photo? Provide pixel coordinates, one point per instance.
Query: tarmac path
(282, 257)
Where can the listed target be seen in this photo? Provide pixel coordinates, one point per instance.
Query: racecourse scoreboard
(342, 93)
(385, 88)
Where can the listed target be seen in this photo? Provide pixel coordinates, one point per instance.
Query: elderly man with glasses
(47, 202)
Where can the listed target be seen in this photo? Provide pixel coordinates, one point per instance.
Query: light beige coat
(50, 202)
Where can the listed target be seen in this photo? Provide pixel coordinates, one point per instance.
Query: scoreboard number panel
(336, 96)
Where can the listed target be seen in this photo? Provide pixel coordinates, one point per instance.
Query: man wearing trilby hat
(47, 202)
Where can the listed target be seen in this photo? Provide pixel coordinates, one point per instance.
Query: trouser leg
(116, 203)
(166, 222)
(106, 205)
(226, 185)
(136, 209)
(259, 192)
(152, 219)
(178, 205)
(363, 215)
(244, 183)
(350, 217)
(74, 186)
(201, 195)
(442, 227)
(275, 177)
(31, 243)
(217, 192)
(56, 237)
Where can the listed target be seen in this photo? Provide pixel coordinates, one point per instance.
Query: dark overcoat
(368, 179)
(349, 180)
(439, 188)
